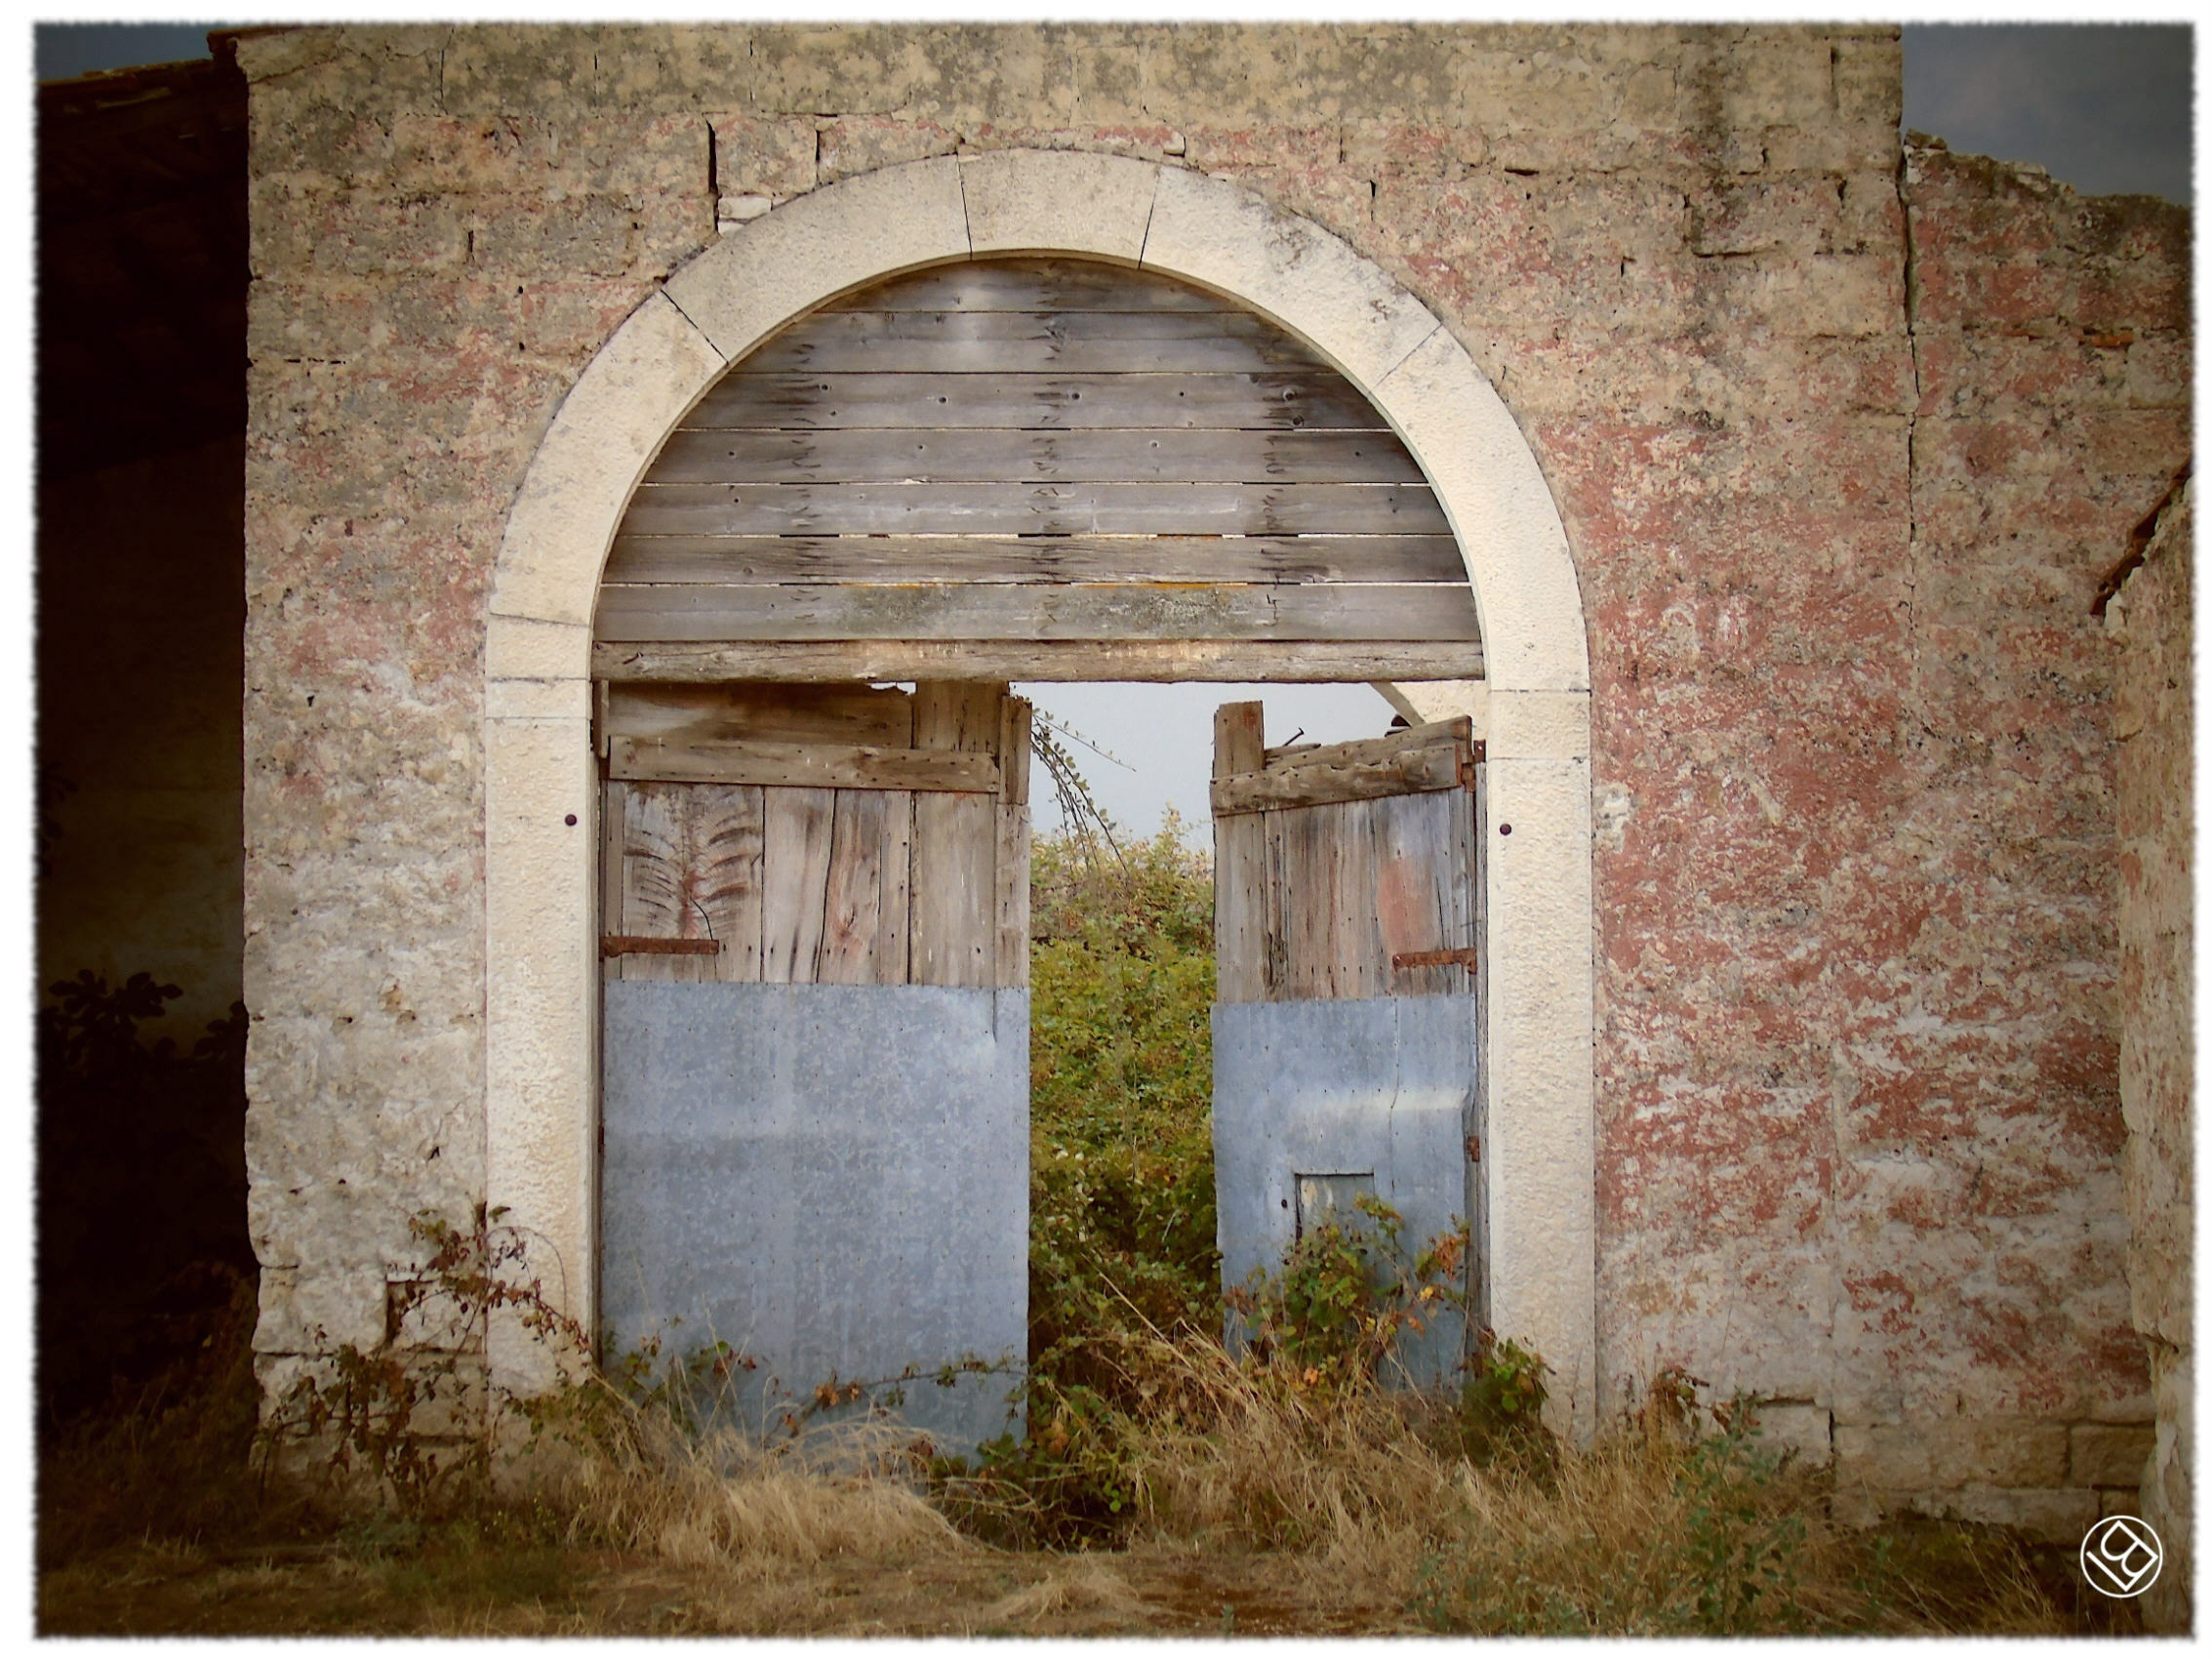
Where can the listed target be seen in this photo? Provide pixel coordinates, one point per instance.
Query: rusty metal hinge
(651, 945)
(1465, 957)
(1474, 1149)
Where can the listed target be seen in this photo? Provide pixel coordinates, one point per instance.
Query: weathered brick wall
(2153, 619)
(1841, 447)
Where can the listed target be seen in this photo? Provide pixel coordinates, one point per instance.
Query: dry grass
(1256, 1504)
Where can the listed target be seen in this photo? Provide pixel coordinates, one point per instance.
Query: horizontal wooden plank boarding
(955, 891)
(1265, 398)
(1355, 777)
(1073, 611)
(948, 559)
(1323, 895)
(1105, 455)
(801, 860)
(1029, 283)
(1457, 730)
(1035, 509)
(836, 766)
(959, 342)
(1285, 661)
(1241, 955)
(1143, 449)
(734, 710)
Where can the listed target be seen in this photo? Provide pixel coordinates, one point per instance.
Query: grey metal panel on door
(1319, 1088)
(832, 1179)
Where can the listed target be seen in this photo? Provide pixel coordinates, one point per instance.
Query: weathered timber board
(1035, 509)
(1006, 342)
(689, 868)
(1433, 768)
(1423, 895)
(1457, 730)
(1389, 558)
(864, 922)
(879, 717)
(1275, 398)
(1282, 662)
(929, 456)
(836, 766)
(1239, 864)
(1088, 611)
(1034, 284)
(794, 879)
(955, 896)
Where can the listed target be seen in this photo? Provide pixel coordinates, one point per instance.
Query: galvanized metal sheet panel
(834, 1179)
(1312, 1095)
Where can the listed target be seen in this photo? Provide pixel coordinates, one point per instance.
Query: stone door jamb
(539, 786)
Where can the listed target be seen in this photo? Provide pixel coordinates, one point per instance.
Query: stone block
(2110, 1455)
(2053, 1515)
(1020, 200)
(771, 157)
(1803, 1430)
(865, 144)
(2005, 1452)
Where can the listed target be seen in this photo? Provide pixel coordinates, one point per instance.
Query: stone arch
(540, 958)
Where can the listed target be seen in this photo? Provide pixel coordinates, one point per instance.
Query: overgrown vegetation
(1168, 1482)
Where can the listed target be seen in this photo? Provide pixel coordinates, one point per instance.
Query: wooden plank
(681, 714)
(656, 876)
(1308, 880)
(954, 891)
(863, 930)
(1272, 398)
(1014, 752)
(794, 883)
(1105, 454)
(1240, 954)
(610, 815)
(1274, 560)
(828, 766)
(1279, 788)
(1035, 508)
(1459, 729)
(1011, 342)
(1282, 662)
(1418, 893)
(1037, 284)
(1359, 965)
(1011, 873)
(726, 880)
(1273, 889)
(1011, 860)
(1029, 611)
(691, 870)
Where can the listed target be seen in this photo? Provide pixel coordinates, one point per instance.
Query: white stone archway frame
(542, 948)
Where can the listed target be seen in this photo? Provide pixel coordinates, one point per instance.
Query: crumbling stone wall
(1842, 437)
(2151, 618)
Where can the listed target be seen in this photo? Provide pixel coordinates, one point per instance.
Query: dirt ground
(359, 1587)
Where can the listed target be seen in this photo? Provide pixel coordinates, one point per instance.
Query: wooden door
(816, 1039)
(1346, 959)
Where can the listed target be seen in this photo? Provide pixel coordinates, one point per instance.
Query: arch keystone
(1057, 201)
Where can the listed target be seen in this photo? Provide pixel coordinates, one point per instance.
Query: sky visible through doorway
(2103, 108)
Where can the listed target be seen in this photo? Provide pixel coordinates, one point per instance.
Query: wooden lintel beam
(1286, 662)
